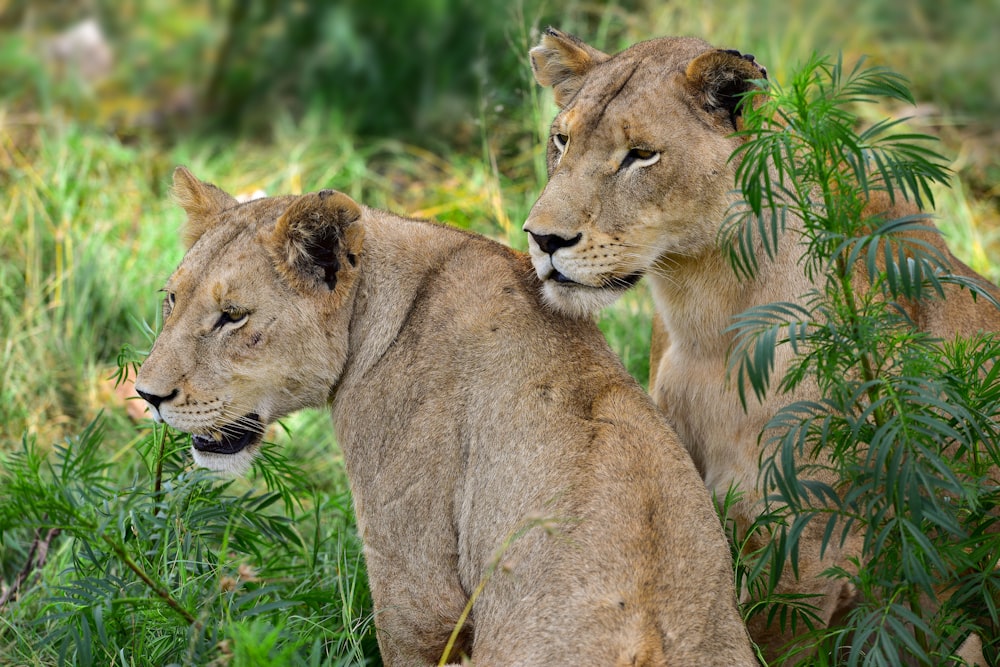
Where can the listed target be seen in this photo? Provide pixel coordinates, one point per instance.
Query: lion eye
(168, 303)
(232, 317)
(640, 157)
(560, 141)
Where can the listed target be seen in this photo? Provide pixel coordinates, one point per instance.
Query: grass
(88, 235)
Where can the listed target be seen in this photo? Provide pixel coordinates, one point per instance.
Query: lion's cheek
(255, 339)
(244, 347)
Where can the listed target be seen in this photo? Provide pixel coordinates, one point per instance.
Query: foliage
(416, 62)
(178, 567)
(906, 425)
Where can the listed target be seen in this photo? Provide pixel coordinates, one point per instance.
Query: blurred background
(425, 107)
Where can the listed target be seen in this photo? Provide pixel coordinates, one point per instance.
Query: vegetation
(114, 551)
(903, 443)
(166, 569)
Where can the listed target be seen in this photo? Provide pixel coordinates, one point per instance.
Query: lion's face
(254, 318)
(639, 178)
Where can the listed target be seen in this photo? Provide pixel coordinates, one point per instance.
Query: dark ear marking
(323, 248)
(749, 57)
(312, 235)
(719, 79)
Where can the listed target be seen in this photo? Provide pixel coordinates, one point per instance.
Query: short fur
(468, 415)
(609, 214)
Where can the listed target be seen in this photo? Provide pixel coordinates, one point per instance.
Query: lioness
(640, 183)
(469, 416)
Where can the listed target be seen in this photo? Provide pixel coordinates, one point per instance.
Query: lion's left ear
(562, 61)
(718, 79)
(316, 239)
(201, 201)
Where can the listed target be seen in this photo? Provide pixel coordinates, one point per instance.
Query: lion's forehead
(633, 91)
(224, 272)
(238, 230)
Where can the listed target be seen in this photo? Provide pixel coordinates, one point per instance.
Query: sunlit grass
(80, 250)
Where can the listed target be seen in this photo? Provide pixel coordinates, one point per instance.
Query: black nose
(549, 243)
(155, 400)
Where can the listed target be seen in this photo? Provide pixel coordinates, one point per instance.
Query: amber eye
(231, 317)
(640, 157)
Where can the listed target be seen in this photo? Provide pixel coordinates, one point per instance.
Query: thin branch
(37, 556)
(162, 592)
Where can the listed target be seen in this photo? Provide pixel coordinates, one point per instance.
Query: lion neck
(698, 296)
(398, 257)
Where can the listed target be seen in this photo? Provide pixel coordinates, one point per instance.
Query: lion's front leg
(415, 614)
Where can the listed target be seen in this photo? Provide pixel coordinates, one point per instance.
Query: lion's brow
(607, 99)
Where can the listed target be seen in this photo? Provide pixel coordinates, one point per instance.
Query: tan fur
(605, 217)
(468, 414)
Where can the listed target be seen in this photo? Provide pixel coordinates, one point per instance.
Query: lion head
(253, 323)
(638, 161)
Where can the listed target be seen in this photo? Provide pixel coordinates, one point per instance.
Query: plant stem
(464, 616)
(490, 571)
(918, 634)
(867, 371)
(158, 477)
(157, 588)
(36, 559)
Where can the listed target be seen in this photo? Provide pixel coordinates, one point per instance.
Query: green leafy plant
(176, 565)
(907, 423)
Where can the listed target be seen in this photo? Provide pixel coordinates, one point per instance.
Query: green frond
(758, 332)
(908, 425)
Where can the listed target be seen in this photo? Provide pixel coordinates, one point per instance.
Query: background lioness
(640, 182)
(468, 414)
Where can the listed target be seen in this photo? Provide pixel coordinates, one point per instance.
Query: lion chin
(230, 465)
(565, 294)
(576, 300)
(231, 454)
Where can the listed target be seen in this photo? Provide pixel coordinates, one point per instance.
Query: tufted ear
(562, 61)
(717, 79)
(202, 201)
(316, 238)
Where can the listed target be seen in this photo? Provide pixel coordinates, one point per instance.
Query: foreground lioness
(467, 414)
(639, 184)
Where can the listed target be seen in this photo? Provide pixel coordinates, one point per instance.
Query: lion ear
(718, 79)
(316, 239)
(202, 201)
(562, 61)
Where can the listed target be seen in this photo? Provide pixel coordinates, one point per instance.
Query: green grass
(88, 235)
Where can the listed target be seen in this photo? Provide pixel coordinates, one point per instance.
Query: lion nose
(549, 243)
(155, 400)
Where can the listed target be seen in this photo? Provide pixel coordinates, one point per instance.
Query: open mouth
(232, 438)
(612, 283)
